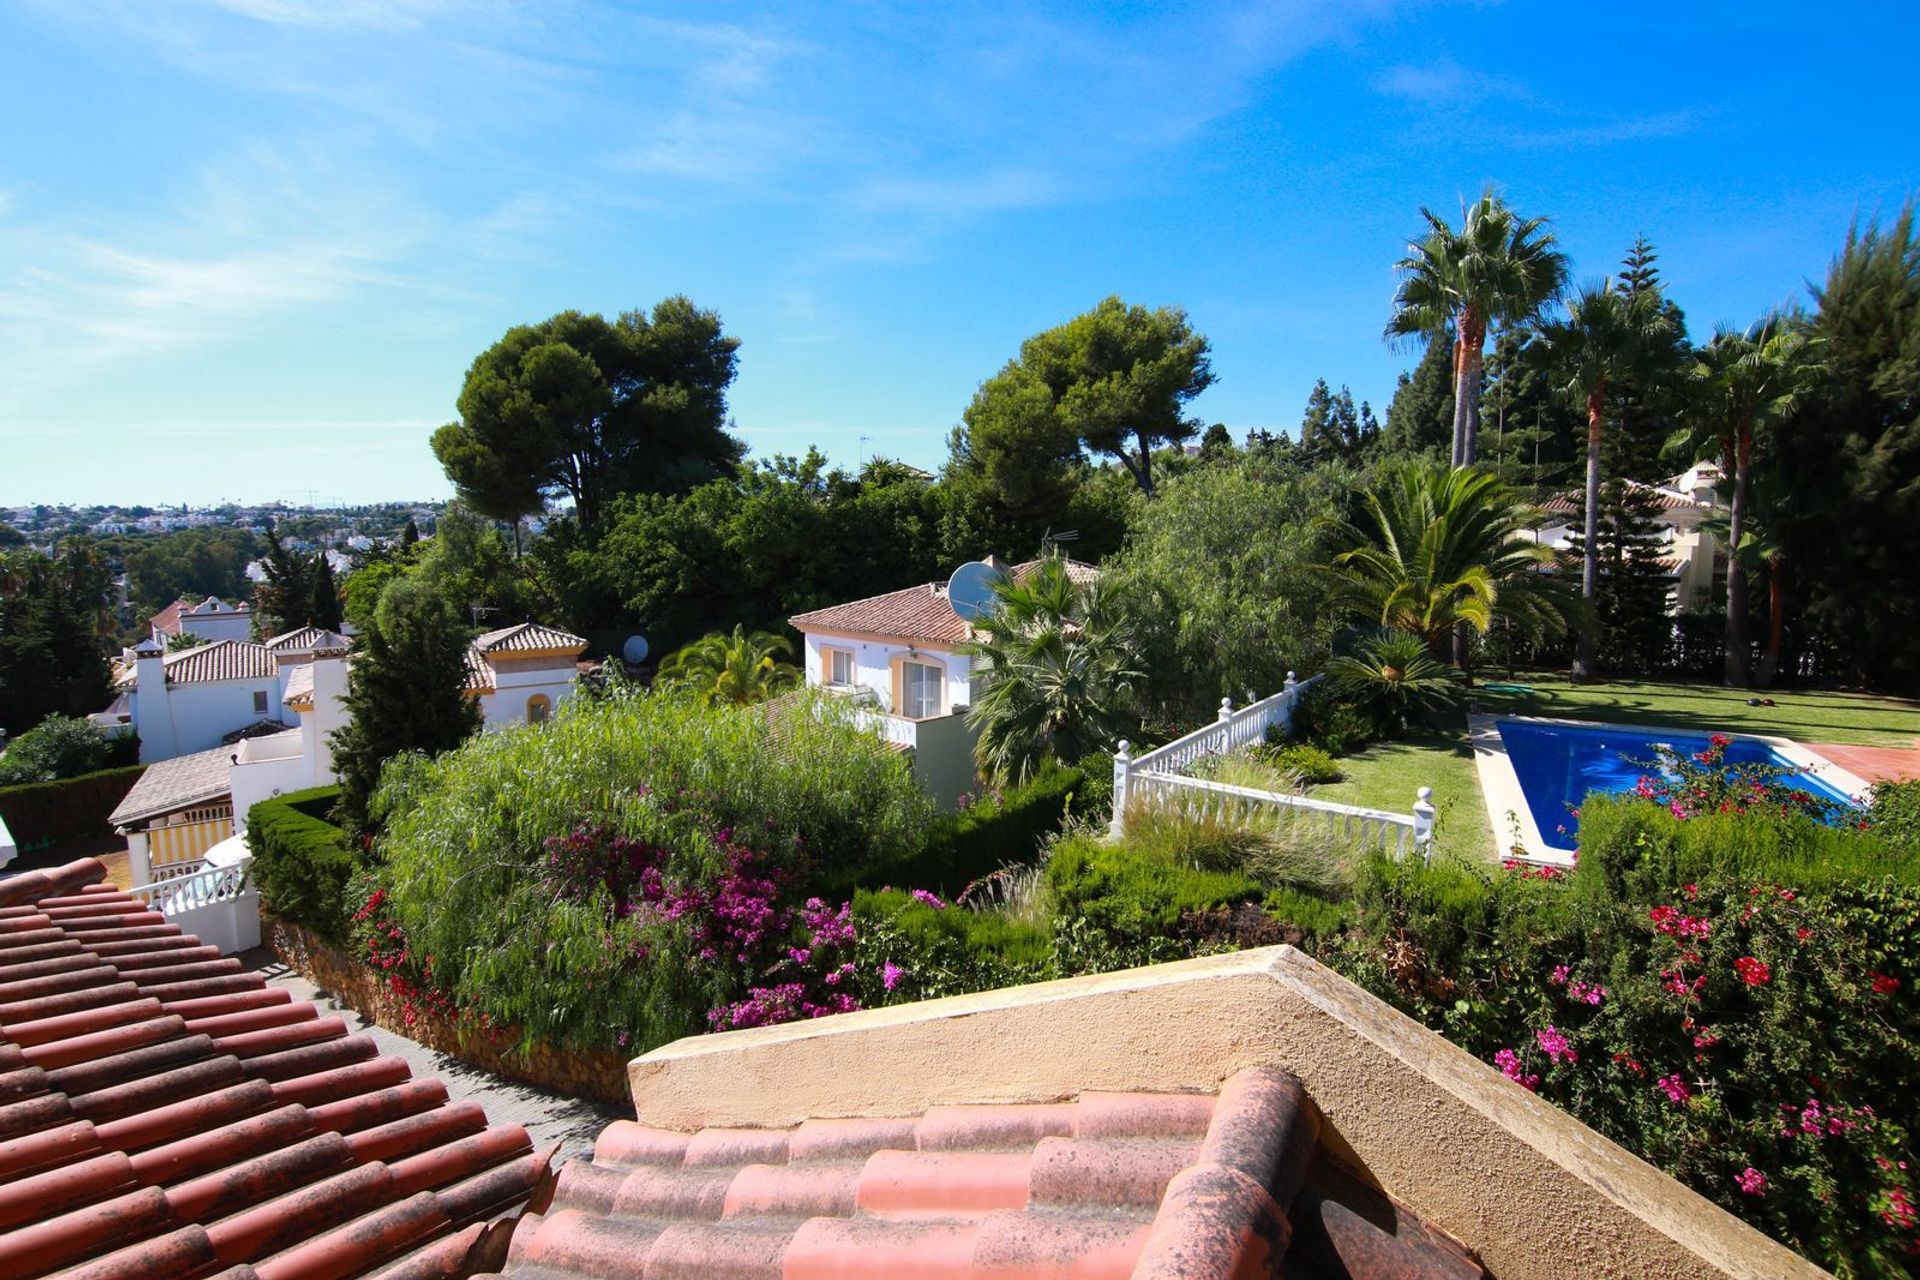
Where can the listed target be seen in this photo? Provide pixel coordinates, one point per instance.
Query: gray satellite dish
(970, 589)
(634, 650)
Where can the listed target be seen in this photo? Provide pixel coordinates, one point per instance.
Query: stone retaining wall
(582, 1073)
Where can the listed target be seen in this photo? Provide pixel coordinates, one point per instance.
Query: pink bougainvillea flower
(1509, 1063)
(1883, 985)
(1675, 1088)
(1751, 1181)
(890, 975)
(1754, 973)
(1554, 1043)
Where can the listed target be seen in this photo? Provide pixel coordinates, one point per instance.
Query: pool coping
(1507, 802)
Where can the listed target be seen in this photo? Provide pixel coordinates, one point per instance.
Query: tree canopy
(581, 406)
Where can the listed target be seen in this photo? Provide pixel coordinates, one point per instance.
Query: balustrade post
(1290, 692)
(1122, 762)
(1225, 722)
(1423, 815)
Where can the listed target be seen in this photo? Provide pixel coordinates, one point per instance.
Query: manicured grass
(1803, 715)
(1388, 775)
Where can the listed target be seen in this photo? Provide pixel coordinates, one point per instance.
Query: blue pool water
(1558, 765)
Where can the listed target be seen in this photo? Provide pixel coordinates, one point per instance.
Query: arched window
(539, 708)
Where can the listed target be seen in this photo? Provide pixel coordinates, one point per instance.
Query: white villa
(901, 653)
(1694, 560)
(211, 619)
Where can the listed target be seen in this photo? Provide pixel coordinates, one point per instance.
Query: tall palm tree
(1434, 550)
(740, 668)
(1741, 384)
(1056, 663)
(1497, 268)
(1605, 337)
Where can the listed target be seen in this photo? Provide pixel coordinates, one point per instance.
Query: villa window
(920, 690)
(539, 709)
(839, 663)
(259, 702)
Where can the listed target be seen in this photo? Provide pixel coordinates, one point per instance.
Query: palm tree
(1605, 337)
(1055, 659)
(1741, 383)
(740, 668)
(1395, 675)
(1437, 551)
(1498, 268)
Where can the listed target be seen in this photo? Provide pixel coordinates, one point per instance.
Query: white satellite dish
(634, 650)
(970, 589)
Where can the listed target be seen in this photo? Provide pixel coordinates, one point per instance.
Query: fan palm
(1396, 678)
(1434, 549)
(1055, 661)
(1742, 383)
(1606, 336)
(740, 668)
(1497, 268)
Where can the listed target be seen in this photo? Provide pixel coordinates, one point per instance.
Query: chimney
(149, 668)
(152, 715)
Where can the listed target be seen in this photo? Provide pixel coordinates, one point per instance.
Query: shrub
(914, 947)
(994, 831)
(302, 862)
(1895, 815)
(1327, 718)
(1300, 759)
(1274, 847)
(64, 747)
(616, 876)
(44, 813)
(1130, 892)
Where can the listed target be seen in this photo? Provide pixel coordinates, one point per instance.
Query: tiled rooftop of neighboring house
(165, 1115)
(167, 621)
(1574, 502)
(529, 637)
(315, 640)
(1157, 1186)
(178, 783)
(912, 613)
(215, 660)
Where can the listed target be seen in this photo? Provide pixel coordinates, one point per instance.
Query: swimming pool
(1557, 765)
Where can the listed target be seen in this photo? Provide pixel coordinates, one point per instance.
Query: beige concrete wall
(1538, 1194)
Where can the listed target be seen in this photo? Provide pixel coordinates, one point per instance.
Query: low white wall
(8, 849)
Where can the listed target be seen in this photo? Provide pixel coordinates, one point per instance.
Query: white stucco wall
(185, 718)
(513, 685)
(873, 666)
(219, 626)
(270, 773)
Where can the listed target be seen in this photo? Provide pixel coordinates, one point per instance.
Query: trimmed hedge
(44, 813)
(1127, 895)
(302, 862)
(977, 841)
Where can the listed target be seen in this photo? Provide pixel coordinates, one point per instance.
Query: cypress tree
(324, 611)
(406, 691)
(1420, 417)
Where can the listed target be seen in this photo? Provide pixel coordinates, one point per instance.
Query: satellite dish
(970, 589)
(634, 650)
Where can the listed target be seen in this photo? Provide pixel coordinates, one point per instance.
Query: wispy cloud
(1443, 80)
(1642, 128)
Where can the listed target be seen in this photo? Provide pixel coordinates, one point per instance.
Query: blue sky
(249, 247)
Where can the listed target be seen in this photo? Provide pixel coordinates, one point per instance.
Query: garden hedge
(302, 862)
(995, 832)
(44, 813)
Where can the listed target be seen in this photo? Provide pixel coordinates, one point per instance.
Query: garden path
(549, 1118)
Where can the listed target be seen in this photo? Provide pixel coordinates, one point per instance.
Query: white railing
(8, 850)
(1159, 777)
(1231, 732)
(216, 902)
(1395, 833)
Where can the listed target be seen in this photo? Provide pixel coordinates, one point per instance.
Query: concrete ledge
(1537, 1193)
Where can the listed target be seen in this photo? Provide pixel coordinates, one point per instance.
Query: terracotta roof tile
(308, 640)
(215, 660)
(912, 613)
(1160, 1186)
(164, 1113)
(1574, 502)
(528, 637)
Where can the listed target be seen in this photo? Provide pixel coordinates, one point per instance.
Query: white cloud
(1444, 81)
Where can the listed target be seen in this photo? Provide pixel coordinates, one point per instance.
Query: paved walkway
(549, 1117)
(1872, 764)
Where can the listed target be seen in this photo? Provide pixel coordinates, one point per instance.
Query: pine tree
(284, 598)
(1317, 433)
(1369, 429)
(1638, 274)
(1643, 408)
(406, 691)
(1420, 417)
(1630, 595)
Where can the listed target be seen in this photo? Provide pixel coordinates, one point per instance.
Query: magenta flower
(1751, 1181)
(1675, 1088)
(890, 975)
(1554, 1043)
(1509, 1063)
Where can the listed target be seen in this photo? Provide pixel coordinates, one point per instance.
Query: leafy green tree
(59, 747)
(55, 619)
(741, 668)
(406, 691)
(284, 598)
(1114, 382)
(1056, 666)
(1606, 336)
(1433, 549)
(194, 563)
(1496, 268)
(1420, 415)
(1219, 576)
(1743, 384)
(581, 406)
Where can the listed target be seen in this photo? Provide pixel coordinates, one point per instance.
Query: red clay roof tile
(1169, 1186)
(164, 1114)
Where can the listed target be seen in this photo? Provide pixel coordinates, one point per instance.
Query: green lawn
(1806, 716)
(1388, 775)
